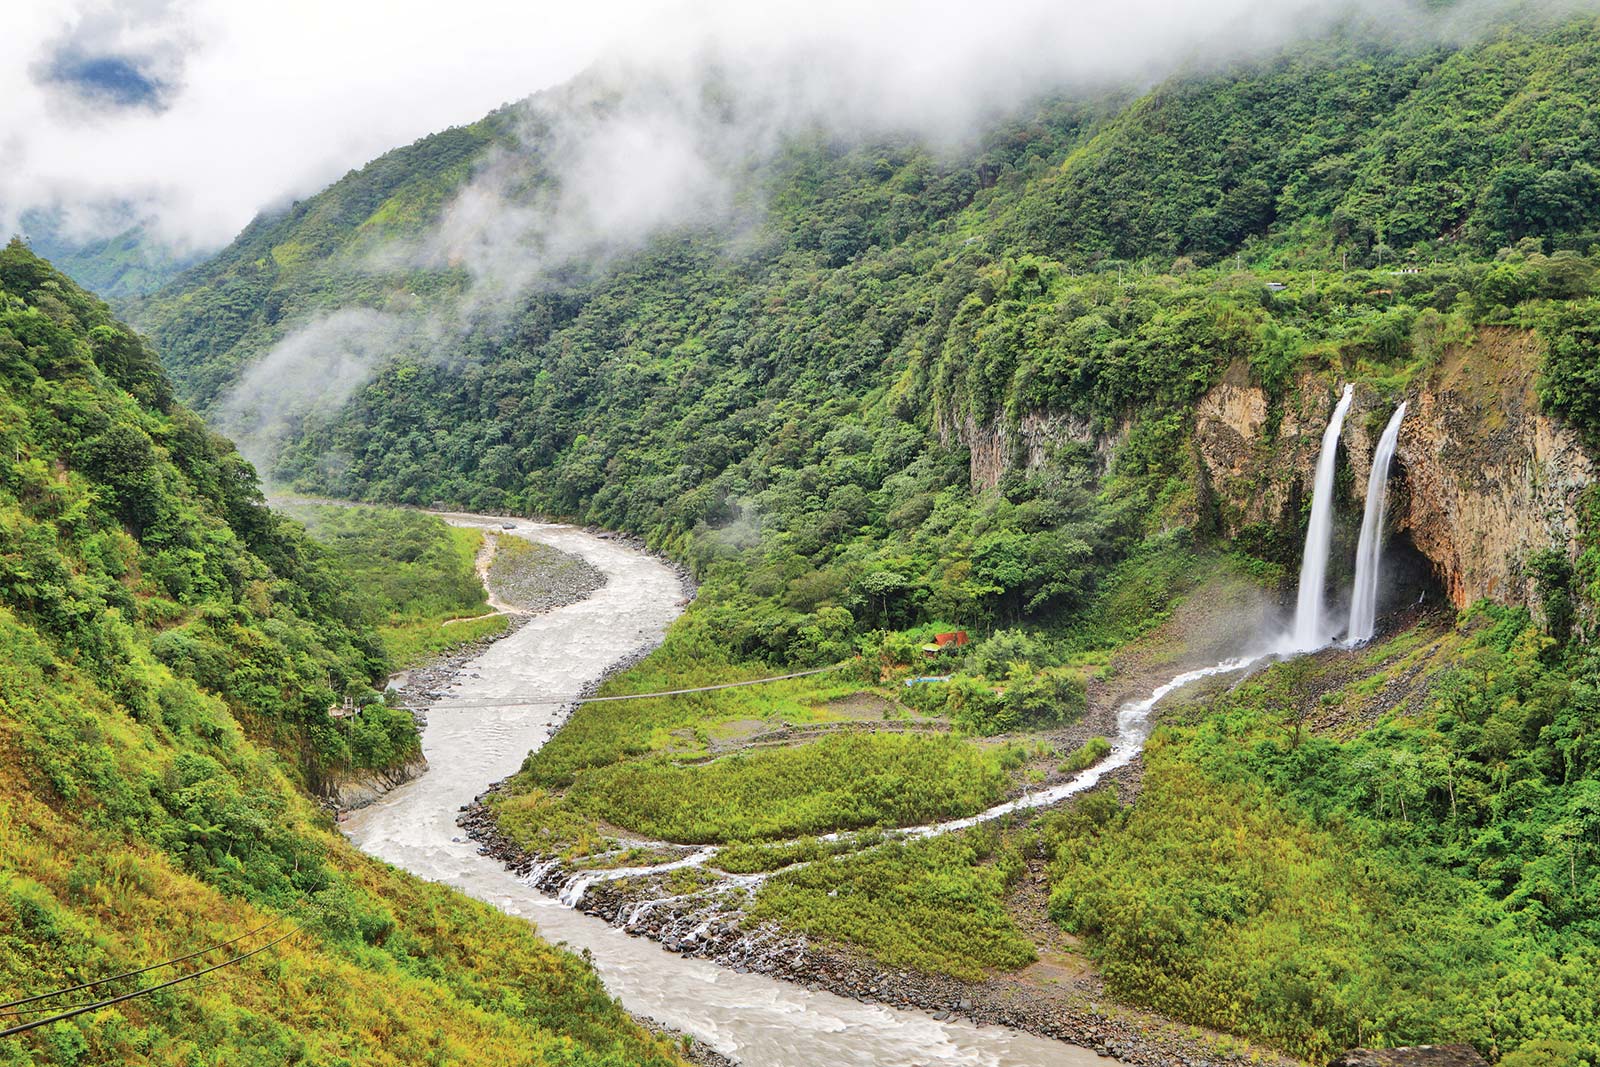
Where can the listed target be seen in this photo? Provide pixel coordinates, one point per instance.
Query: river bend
(757, 1020)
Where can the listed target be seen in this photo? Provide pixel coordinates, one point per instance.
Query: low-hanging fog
(667, 125)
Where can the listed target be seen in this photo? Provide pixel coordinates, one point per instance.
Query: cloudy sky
(202, 112)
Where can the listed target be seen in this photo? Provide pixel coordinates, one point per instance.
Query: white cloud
(262, 102)
(272, 100)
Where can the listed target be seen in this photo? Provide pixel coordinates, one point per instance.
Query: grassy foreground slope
(166, 652)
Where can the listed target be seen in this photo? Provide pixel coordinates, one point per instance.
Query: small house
(347, 710)
(943, 643)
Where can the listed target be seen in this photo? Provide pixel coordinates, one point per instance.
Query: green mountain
(1064, 390)
(168, 650)
(127, 264)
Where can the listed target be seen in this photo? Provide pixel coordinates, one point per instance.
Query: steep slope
(283, 267)
(1374, 155)
(167, 647)
(1338, 151)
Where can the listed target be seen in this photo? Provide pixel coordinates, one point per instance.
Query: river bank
(1076, 1014)
(504, 704)
(690, 928)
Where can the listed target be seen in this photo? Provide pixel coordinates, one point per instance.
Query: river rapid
(756, 1020)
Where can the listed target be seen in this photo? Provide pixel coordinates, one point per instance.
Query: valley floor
(1059, 994)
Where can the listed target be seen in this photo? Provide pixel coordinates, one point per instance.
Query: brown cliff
(1482, 477)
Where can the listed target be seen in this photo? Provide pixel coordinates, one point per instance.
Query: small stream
(759, 1021)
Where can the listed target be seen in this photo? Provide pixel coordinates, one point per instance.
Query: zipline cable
(97, 1005)
(633, 696)
(130, 974)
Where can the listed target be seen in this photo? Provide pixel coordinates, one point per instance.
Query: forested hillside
(168, 651)
(925, 390)
(811, 386)
(128, 264)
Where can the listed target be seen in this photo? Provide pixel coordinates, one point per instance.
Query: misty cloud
(669, 129)
(256, 103)
(128, 56)
(312, 374)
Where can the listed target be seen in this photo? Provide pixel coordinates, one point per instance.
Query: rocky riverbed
(710, 926)
(532, 578)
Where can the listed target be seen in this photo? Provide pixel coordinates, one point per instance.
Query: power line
(127, 974)
(97, 1005)
(548, 701)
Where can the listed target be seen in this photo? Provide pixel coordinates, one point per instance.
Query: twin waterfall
(1364, 595)
(1310, 623)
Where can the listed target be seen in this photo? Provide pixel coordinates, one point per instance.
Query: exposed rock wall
(1482, 478)
(1491, 478)
(357, 790)
(997, 448)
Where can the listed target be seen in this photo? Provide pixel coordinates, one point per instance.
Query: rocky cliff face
(1482, 477)
(351, 791)
(997, 448)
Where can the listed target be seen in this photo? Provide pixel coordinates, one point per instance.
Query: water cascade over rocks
(1369, 549)
(1309, 626)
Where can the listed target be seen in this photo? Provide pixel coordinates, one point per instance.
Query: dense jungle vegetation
(168, 647)
(829, 421)
(809, 391)
(1430, 872)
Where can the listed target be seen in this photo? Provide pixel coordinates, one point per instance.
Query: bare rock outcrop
(357, 789)
(1491, 478)
(996, 448)
(1482, 477)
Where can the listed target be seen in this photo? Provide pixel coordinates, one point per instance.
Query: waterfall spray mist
(1369, 550)
(1308, 630)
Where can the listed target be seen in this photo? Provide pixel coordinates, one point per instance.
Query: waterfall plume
(1369, 549)
(1308, 630)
